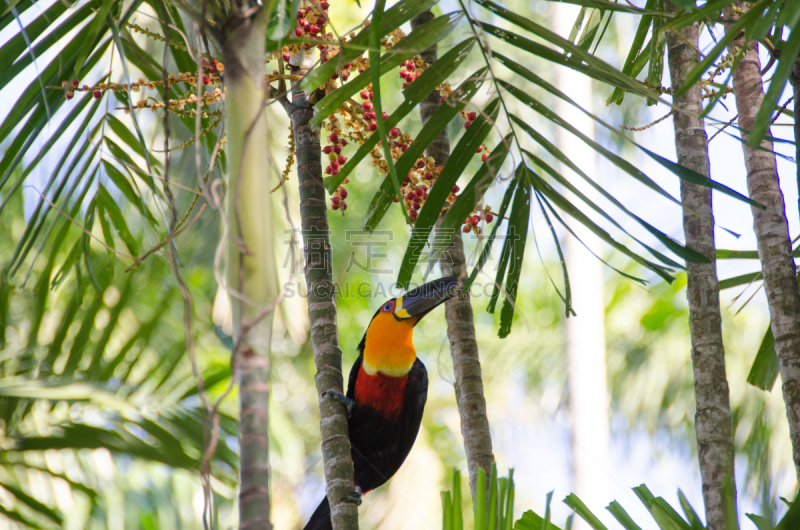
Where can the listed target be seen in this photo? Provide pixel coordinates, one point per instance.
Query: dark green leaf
(419, 39)
(463, 153)
(399, 14)
(443, 115)
(471, 195)
(414, 94)
(519, 218)
(764, 371)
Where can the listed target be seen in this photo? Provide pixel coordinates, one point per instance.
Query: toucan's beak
(418, 302)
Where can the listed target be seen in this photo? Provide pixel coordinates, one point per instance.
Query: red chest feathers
(381, 392)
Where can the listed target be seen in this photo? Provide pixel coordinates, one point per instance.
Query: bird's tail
(321, 518)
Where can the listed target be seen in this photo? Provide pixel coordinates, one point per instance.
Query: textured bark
(336, 457)
(772, 234)
(459, 316)
(713, 422)
(251, 259)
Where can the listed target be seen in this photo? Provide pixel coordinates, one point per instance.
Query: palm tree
(111, 179)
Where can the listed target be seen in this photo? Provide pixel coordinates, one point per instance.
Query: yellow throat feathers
(389, 347)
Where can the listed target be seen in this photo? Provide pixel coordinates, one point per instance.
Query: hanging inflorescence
(354, 122)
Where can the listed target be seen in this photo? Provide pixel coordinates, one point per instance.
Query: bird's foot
(348, 403)
(354, 497)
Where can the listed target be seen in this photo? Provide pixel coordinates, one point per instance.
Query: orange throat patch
(388, 346)
(384, 393)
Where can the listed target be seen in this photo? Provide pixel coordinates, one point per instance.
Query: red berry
(471, 116)
(334, 172)
(479, 150)
(75, 83)
(412, 214)
(299, 14)
(343, 193)
(337, 149)
(395, 199)
(420, 164)
(324, 5)
(327, 149)
(373, 126)
(467, 124)
(343, 143)
(410, 66)
(286, 57)
(417, 206)
(385, 116)
(334, 165)
(367, 105)
(328, 170)
(341, 160)
(348, 65)
(364, 94)
(489, 218)
(428, 176)
(346, 180)
(405, 85)
(69, 94)
(344, 206)
(465, 229)
(403, 148)
(345, 76)
(441, 100)
(334, 138)
(321, 21)
(371, 96)
(206, 80)
(403, 74)
(335, 206)
(395, 132)
(485, 156)
(97, 94)
(455, 189)
(418, 192)
(474, 220)
(298, 32)
(314, 29)
(336, 200)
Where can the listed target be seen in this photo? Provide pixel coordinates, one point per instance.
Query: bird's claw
(348, 403)
(354, 498)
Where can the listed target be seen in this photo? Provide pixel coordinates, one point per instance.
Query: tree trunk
(772, 233)
(459, 316)
(251, 261)
(713, 423)
(585, 333)
(336, 457)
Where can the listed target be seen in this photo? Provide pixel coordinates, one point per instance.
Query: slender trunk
(251, 262)
(772, 233)
(585, 333)
(336, 457)
(459, 316)
(713, 422)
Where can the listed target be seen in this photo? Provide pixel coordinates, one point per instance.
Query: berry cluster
(411, 69)
(212, 75)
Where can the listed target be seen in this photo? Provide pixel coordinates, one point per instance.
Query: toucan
(386, 392)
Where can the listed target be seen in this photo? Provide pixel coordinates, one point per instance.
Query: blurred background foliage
(99, 413)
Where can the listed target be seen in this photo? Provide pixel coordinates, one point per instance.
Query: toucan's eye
(388, 307)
